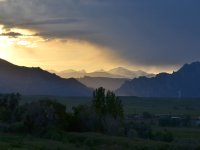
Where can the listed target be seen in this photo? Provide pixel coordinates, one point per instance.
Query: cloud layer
(144, 32)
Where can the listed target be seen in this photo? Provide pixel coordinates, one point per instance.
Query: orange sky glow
(58, 54)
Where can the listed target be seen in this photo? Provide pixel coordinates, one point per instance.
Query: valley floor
(87, 141)
(137, 105)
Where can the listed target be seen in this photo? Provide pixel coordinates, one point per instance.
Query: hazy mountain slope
(128, 73)
(81, 74)
(108, 83)
(183, 83)
(103, 74)
(71, 73)
(35, 81)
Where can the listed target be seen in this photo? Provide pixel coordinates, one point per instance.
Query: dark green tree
(98, 101)
(113, 105)
(105, 103)
(109, 111)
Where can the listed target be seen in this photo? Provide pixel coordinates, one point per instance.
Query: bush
(143, 130)
(16, 128)
(45, 114)
(165, 136)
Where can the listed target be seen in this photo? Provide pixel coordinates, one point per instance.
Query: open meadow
(85, 141)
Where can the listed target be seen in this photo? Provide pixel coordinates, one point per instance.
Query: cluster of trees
(108, 110)
(9, 109)
(105, 114)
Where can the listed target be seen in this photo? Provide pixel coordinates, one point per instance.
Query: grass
(162, 106)
(182, 133)
(81, 141)
(14, 142)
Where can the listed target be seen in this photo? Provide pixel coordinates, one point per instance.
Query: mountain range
(119, 72)
(183, 83)
(35, 81)
(111, 79)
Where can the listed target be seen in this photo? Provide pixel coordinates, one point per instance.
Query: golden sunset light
(28, 48)
(71, 54)
(37, 51)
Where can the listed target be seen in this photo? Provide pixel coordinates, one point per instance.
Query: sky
(149, 35)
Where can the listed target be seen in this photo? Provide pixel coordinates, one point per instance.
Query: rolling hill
(35, 81)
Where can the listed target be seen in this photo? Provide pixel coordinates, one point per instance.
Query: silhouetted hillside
(183, 83)
(35, 81)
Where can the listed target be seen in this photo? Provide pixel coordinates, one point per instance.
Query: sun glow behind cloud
(61, 55)
(4, 44)
(23, 47)
(8, 42)
(53, 54)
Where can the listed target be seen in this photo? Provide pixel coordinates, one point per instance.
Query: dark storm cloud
(146, 32)
(51, 21)
(12, 34)
(76, 34)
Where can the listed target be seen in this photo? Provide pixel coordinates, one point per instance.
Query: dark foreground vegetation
(104, 115)
(100, 124)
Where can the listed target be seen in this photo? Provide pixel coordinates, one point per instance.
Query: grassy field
(134, 105)
(182, 133)
(83, 141)
(162, 106)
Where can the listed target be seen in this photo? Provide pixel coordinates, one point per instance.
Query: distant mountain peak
(100, 70)
(119, 69)
(119, 72)
(129, 73)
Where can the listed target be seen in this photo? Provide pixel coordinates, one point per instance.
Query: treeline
(104, 114)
